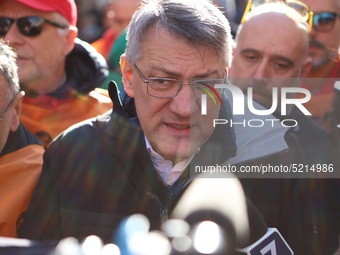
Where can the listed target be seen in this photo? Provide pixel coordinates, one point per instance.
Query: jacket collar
(18, 140)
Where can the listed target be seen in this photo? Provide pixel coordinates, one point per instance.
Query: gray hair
(199, 22)
(8, 67)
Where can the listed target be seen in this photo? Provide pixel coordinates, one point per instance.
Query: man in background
(325, 53)
(113, 43)
(57, 71)
(266, 58)
(118, 14)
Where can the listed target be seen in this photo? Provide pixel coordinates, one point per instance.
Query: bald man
(272, 51)
(271, 43)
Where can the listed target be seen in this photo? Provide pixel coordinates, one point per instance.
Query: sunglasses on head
(298, 6)
(324, 21)
(28, 26)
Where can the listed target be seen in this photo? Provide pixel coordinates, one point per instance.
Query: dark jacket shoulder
(86, 69)
(19, 139)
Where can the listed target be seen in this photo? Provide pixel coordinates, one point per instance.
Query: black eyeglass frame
(41, 20)
(8, 107)
(330, 28)
(179, 87)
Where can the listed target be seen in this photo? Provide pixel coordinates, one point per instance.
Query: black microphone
(262, 239)
(222, 201)
(271, 242)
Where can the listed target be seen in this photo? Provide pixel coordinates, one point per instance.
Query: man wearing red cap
(57, 71)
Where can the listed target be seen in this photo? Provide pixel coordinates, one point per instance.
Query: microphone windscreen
(257, 224)
(221, 197)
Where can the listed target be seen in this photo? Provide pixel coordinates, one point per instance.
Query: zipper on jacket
(162, 208)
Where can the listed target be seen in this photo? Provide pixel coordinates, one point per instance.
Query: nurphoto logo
(279, 101)
(212, 93)
(238, 99)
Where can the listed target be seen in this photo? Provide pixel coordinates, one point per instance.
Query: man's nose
(262, 70)
(13, 36)
(185, 103)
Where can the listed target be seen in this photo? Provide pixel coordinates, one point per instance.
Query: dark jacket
(296, 205)
(19, 139)
(98, 172)
(86, 69)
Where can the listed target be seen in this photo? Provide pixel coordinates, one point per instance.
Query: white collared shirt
(165, 168)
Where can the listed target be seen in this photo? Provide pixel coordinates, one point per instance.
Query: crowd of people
(94, 132)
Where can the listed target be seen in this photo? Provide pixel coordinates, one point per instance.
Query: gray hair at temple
(8, 67)
(199, 22)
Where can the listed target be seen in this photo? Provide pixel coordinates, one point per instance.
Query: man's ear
(72, 34)
(306, 66)
(17, 111)
(126, 69)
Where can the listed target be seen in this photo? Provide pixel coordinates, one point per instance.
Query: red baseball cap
(67, 8)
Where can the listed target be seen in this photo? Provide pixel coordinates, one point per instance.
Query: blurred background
(92, 21)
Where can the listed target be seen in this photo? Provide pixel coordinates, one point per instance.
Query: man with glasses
(20, 151)
(57, 71)
(325, 52)
(272, 55)
(102, 170)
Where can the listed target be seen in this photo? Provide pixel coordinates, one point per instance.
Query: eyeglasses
(28, 26)
(169, 88)
(324, 21)
(7, 108)
(298, 6)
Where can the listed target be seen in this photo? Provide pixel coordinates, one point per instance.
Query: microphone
(213, 216)
(222, 201)
(271, 242)
(133, 238)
